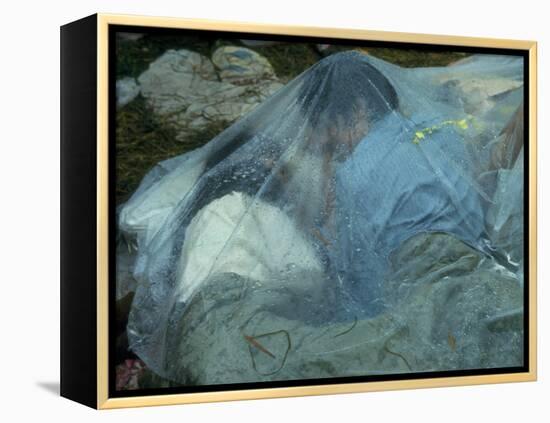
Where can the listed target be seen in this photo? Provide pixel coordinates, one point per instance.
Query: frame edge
(103, 22)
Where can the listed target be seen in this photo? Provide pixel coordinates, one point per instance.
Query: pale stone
(240, 65)
(129, 36)
(127, 90)
(185, 87)
(476, 94)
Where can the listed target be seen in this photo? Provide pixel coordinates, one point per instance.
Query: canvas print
(302, 211)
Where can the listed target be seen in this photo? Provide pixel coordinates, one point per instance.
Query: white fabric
(257, 240)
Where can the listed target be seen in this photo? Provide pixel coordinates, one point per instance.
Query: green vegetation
(143, 138)
(134, 57)
(415, 58)
(289, 60)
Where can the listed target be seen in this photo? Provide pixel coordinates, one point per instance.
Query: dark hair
(338, 84)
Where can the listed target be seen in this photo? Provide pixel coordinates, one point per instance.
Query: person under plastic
(307, 198)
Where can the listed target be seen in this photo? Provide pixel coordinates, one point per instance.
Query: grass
(289, 60)
(143, 139)
(134, 57)
(415, 58)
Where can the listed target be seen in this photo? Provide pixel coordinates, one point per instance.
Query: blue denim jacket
(401, 180)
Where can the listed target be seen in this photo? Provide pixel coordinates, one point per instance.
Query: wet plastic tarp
(310, 196)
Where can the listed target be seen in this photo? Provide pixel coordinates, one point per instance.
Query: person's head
(341, 97)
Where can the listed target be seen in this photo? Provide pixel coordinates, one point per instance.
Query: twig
(398, 355)
(253, 341)
(347, 330)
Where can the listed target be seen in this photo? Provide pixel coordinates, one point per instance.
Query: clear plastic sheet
(365, 219)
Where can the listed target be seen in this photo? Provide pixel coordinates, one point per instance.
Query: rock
(127, 90)
(129, 36)
(185, 87)
(239, 65)
(177, 79)
(324, 49)
(480, 84)
(475, 94)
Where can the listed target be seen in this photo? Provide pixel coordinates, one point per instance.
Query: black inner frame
(113, 29)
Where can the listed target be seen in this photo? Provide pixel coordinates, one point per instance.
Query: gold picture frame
(101, 217)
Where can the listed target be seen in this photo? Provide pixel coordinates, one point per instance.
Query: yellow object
(460, 124)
